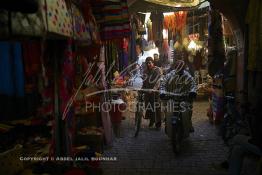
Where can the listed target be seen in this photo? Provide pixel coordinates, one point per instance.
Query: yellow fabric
(254, 20)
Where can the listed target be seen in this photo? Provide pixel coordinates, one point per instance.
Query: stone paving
(151, 152)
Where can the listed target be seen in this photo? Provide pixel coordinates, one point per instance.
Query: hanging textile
(67, 79)
(216, 50)
(253, 18)
(169, 22)
(57, 17)
(175, 22)
(198, 60)
(46, 79)
(149, 30)
(157, 25)
(123, 59)
(165, 49)
(32, 63)
(180, 18)
(102, 66)
(105, 113)
(90, 21)
(20, 23)
(113, 18)
(32, 70)
(15, 72)
(6, 88)
(12, 78)
(67, 85)
(80, 27)
(132, 41)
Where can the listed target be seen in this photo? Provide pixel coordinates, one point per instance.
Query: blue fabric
(18, 70)
(6, 78)
(11, 69)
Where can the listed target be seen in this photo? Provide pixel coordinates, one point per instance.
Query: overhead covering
(176, 3)
(163, 5)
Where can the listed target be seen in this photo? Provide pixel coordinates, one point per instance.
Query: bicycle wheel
(138, 114)
(138, 118)
(176, 138)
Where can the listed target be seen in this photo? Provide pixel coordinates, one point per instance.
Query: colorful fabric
(216, 50)
(80, 30)
(157, 25)
(113, 18)
(116, 114)
(217, 107)
(58, 18)
(32, 64)
(68, 78)
(90, 20)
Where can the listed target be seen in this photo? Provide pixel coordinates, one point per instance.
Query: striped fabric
(113, 18)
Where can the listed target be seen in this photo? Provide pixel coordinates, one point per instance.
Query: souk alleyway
(151, 152)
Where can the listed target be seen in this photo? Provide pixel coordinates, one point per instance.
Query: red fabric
(31, 54)
(95, 48)
(116, 114)
(68, 77)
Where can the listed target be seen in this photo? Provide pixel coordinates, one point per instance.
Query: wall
(234, 11)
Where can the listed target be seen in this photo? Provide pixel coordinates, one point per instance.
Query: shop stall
(55, 61)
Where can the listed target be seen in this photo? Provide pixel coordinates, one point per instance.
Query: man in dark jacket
(151, 84)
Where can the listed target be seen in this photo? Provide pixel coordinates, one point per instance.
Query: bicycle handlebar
(168, 96)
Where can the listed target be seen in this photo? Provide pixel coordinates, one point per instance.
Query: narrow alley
(151, 152)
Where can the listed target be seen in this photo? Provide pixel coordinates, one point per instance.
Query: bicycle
(177, 126)
(138, 113)
(233, 122)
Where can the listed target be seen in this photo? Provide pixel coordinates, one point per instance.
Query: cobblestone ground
(151, 152)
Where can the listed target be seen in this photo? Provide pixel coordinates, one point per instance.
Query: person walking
(151, 85)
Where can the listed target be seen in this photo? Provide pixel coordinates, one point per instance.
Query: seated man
(243, 145)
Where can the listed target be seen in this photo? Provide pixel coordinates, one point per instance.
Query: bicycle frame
(177, 125)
